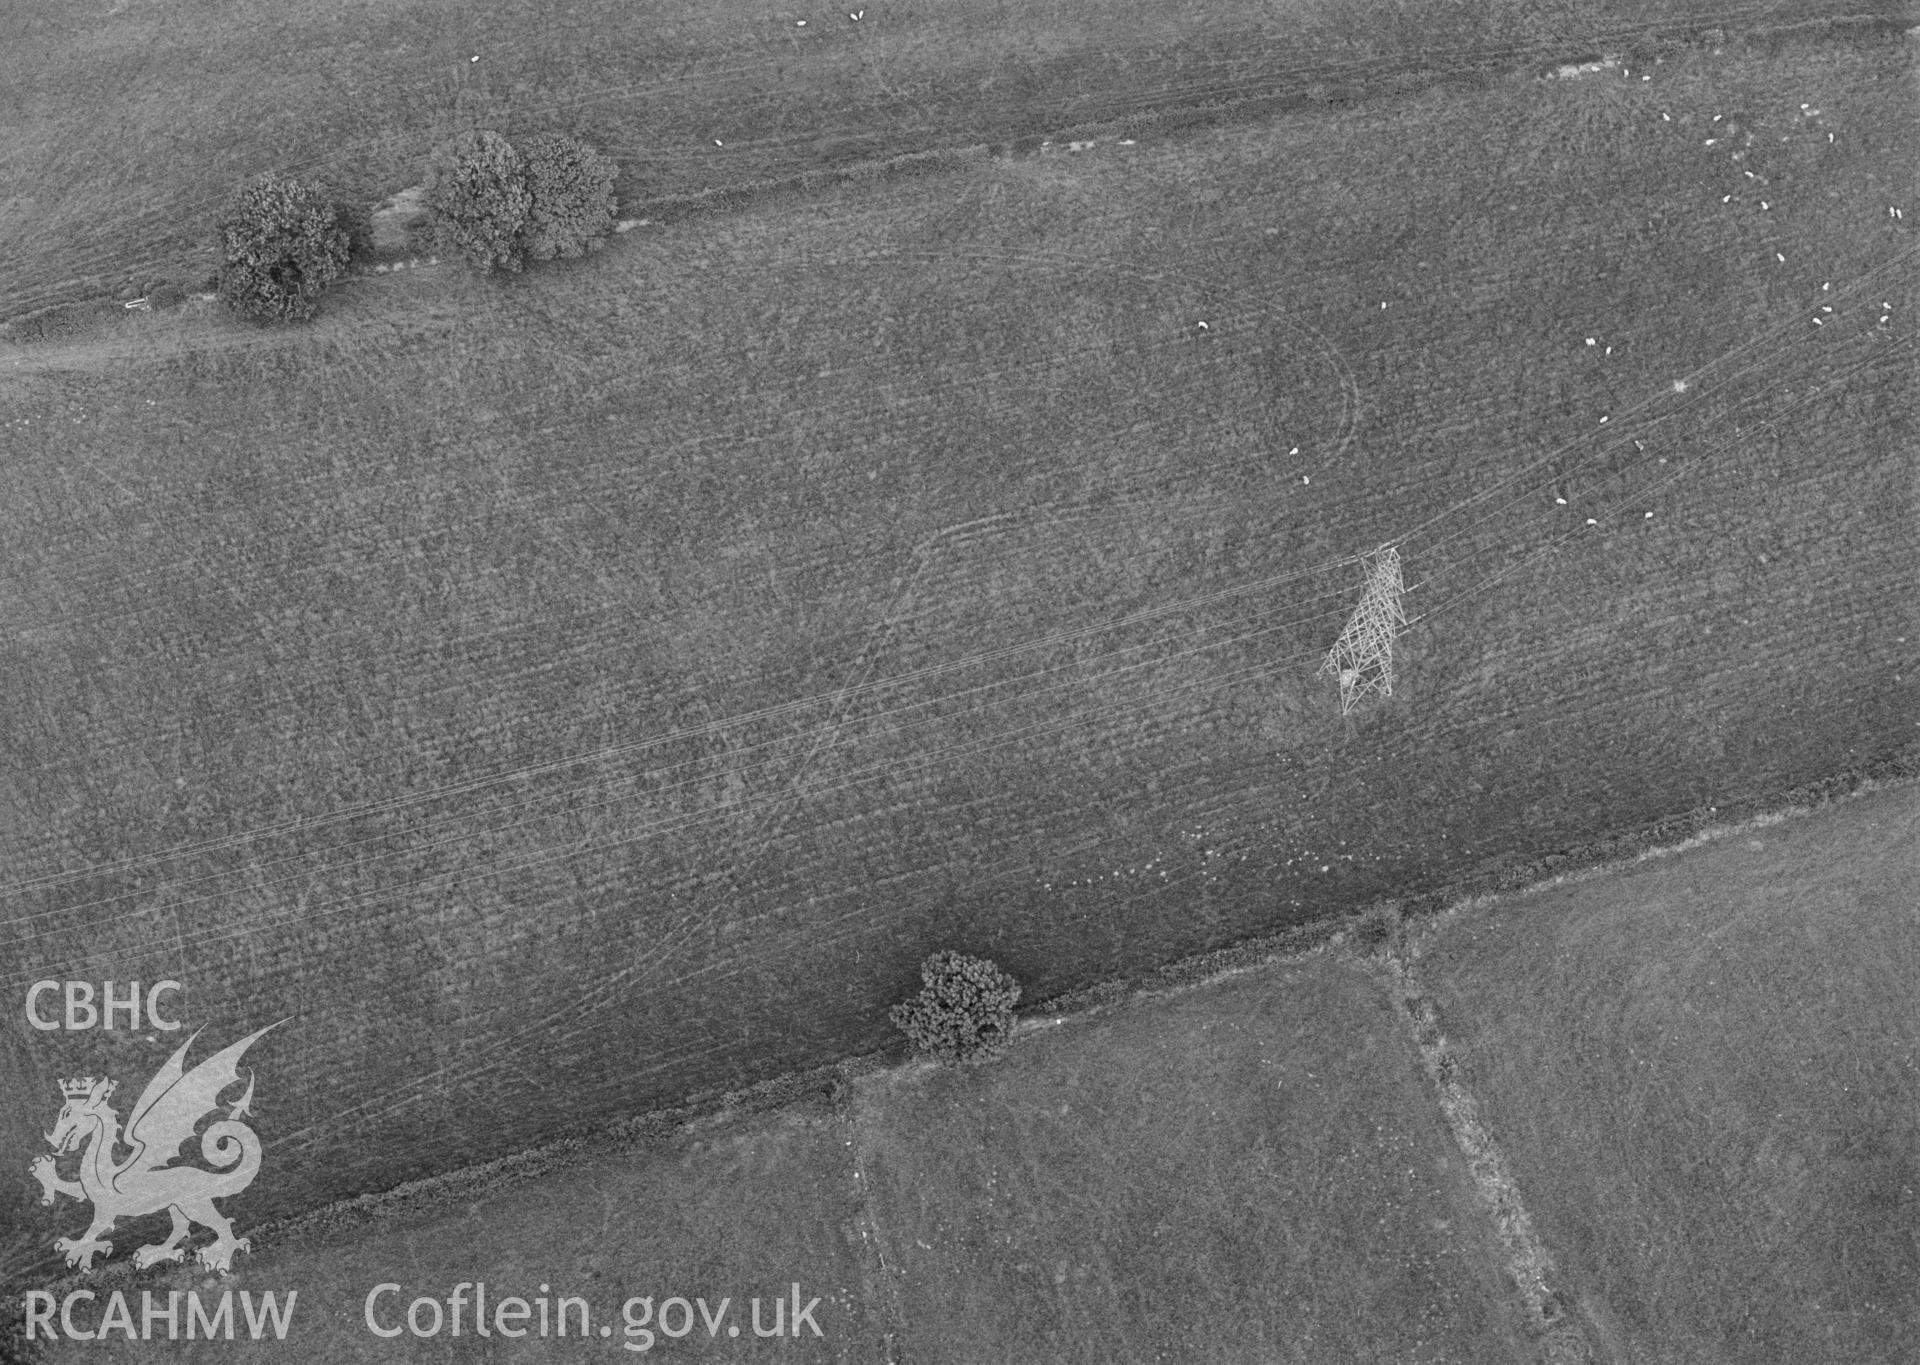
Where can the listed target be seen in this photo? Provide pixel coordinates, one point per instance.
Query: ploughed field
(568, 694)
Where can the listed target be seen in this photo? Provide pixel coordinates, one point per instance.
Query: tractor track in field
(1231, 322)
(979, 536)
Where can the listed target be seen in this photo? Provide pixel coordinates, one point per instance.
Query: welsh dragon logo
(165, 1116)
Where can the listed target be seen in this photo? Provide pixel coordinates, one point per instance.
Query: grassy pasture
(1703, 1072)
(129, 122)
(568, 693)
(1252, 1172)
(738, 1212)
(1700, 1067)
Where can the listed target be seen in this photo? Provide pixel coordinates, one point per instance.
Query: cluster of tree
(493, 203)
(499, 205)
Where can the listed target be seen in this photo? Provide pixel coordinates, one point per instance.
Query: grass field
(743, 1212)
(571, 693)
(1705, 1072)
(130, 121)
(1253, 1172)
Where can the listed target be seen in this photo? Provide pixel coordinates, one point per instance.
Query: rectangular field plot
(1702, 1070)
(1252, 1172)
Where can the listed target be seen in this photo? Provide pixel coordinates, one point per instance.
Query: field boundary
(1529, 1265)
(880, 1276)
(1341, 88)
(1335, 86)
(825, 1087)
(825, 1093)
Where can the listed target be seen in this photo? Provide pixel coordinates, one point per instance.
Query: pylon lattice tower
(1362, 658)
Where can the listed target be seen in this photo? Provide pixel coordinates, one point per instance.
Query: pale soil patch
(396, 218)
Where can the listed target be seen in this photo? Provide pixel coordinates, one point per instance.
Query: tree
(477, 190)
(281, 242)
(572, 188)
(964, 1012)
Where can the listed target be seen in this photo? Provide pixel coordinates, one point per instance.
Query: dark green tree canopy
(281, 242)
(573, 203)
(964, 1012)
(478, 192)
